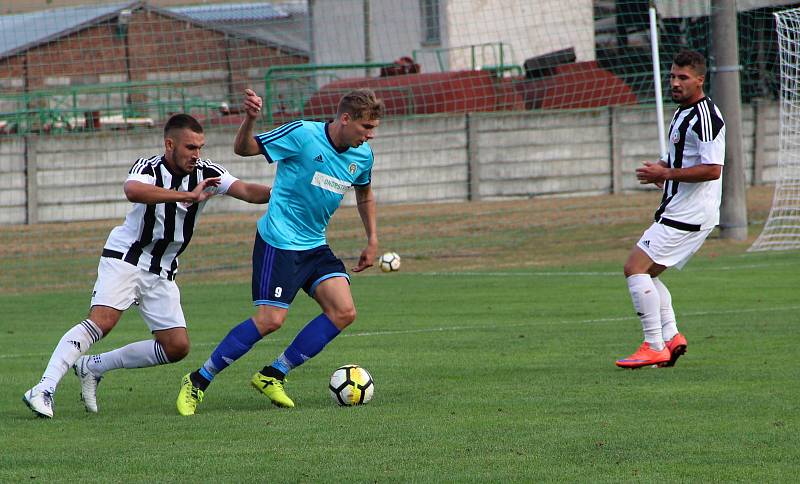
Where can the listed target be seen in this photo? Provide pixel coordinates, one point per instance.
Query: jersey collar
(174, 175)
(333, 145)
(689, 106)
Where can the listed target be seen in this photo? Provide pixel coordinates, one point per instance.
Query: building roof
(278, 25)
(234, 12)
(283, 24)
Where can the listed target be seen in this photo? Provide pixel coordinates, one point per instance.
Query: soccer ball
(351, 385)
(389, 262)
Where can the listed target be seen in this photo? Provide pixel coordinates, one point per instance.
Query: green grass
(480, 376)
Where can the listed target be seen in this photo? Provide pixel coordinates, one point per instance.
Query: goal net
(496, 111)
(782, 228)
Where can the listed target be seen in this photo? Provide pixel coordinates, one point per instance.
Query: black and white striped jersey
(153, 236)
(696, 136)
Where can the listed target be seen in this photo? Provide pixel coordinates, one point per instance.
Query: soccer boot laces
(273, 389)
(40, 402)
(188, 397)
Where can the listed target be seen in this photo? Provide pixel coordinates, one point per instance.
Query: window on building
(431, 29)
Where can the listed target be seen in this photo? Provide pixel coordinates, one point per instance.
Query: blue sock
(235, 344)
(309, 341)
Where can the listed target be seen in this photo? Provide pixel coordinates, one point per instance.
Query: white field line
(587, 273)
(440, 329)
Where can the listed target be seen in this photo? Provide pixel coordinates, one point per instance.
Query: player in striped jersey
(139, 262)
(689, 210)
(317, 164)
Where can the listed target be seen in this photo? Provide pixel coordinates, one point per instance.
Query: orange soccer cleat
(645, 356)
(677, 347)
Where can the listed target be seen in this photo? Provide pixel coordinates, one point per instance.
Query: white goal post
(782, 228)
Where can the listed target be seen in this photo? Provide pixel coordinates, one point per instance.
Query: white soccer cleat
(89, 383)
(40, 402)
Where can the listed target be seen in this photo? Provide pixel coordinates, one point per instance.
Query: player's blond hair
(361, 104)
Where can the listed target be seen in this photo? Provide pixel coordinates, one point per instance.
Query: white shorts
(120, 285)
(669, 246)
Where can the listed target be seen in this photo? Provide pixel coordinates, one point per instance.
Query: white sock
(72, 345)
(140, 354)
(669, 327)
(647, 304)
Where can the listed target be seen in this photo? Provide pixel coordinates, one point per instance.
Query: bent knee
(344, 317)
(177, 351)
(267, 325)
(629, 270)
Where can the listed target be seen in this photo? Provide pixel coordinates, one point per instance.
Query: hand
(200, 192)
(652, 173)
(252, 104)
(367, 258)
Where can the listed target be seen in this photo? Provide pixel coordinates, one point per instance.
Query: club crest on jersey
(676, 136)
(352, 168)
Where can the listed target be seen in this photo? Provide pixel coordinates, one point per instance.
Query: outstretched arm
(245, 144)
(658, 173)
(366, 209)
(138, 192)
(250, 192)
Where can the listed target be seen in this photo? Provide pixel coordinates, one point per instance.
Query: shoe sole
(28, 404)
(642, 365)
(679, 351)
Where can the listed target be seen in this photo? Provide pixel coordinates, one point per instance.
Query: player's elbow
(132, 193)
(257, 194)
(714, 172)
(245, 149)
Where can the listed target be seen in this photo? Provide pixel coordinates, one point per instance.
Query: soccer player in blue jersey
(317, 163)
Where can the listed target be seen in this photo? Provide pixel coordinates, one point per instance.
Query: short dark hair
(182, 121)
(361, 104)
(691, 58)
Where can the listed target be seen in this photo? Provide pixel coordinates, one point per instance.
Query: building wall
(430, 159)
(208, 65)
(527, 28)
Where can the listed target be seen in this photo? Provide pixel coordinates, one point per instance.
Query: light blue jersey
(310, 182)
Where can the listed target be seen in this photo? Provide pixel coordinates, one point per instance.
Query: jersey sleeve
(365, 177)
(710, 133)
(142, 171)
(213, 170)
(282, 142)
(712, 152)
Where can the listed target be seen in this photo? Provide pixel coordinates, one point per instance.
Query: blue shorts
(278, 274)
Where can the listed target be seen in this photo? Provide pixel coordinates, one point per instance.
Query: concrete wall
(442, 158)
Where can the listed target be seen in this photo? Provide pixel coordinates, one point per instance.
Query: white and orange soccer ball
(351, 385)
(389, 262)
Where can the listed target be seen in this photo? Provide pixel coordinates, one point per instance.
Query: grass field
(487, 372)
